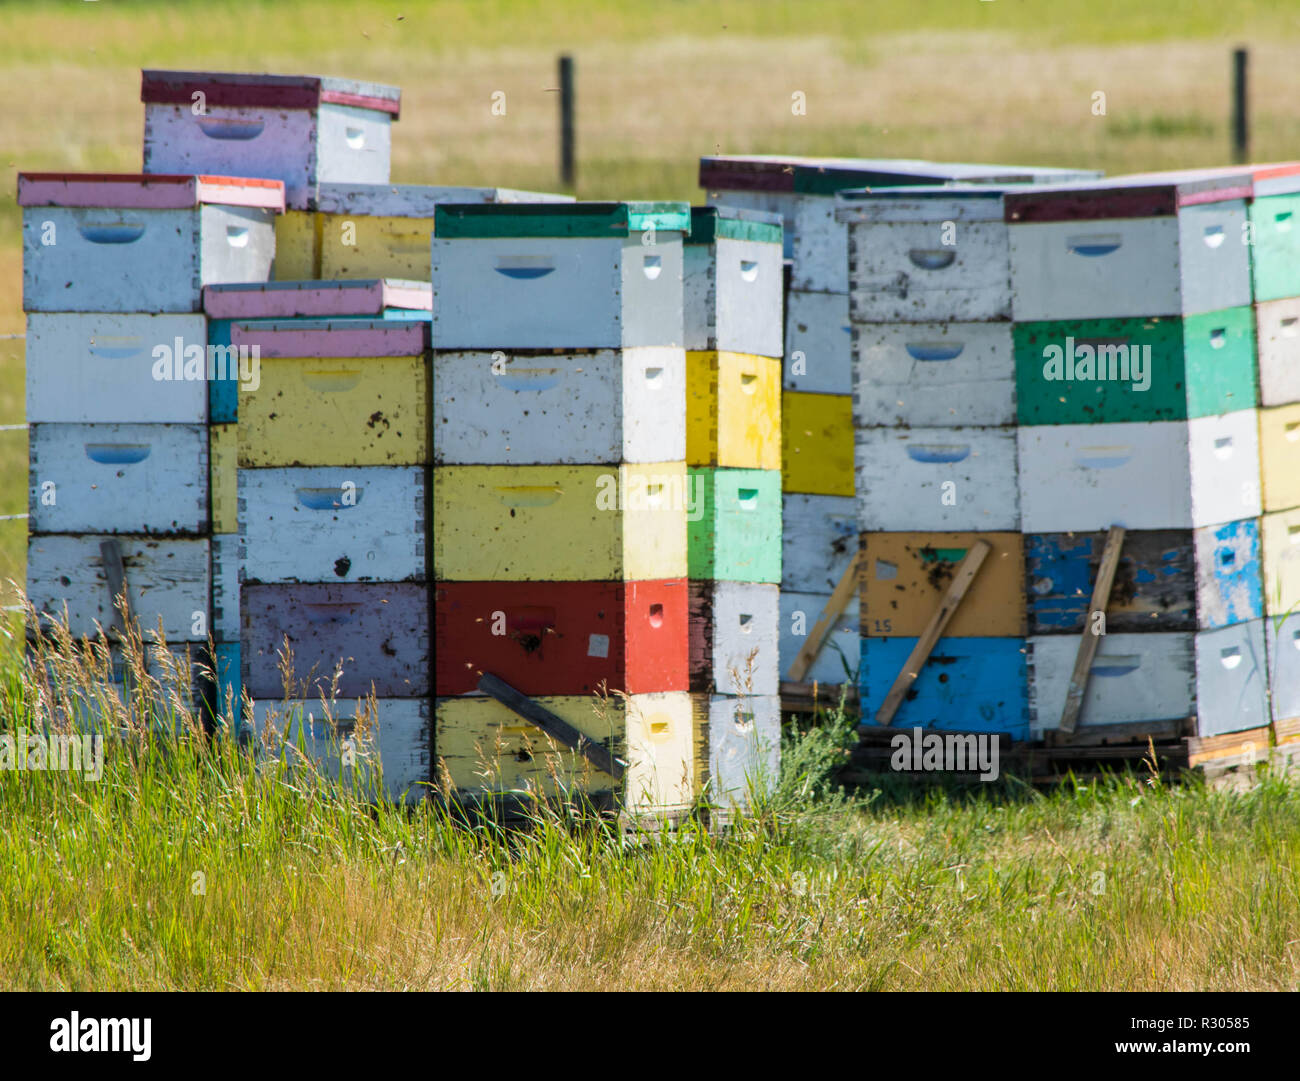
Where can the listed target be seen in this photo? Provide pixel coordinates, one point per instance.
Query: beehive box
(801, 190)
(1159, 244)
(739, 747)
(1275, 251)
(927, 254)
(1279, 456)
(392, 740)
(336, 392)
(383, 230)
(487, 748)
(300, 129)
(819, 537)
(966, 685)
(332, 524)
(734, 638)
(1282, 640)
(937, 479)
(611, 406)
(565, 638)
(818, 343)
(838, 660)
(734, 525)
(223, 486)
(560, 523)
(375, 633)
(733, 283)
(733, 410)
(88, 367)
(907, 575)
(817, 444)
(96, 242)
(1163, 475)
(170, 688)
(1095, 371)
(119, 478)
(563, 276)
(1166, 580)
(1277, 332)
(1280, 537)
(933, 375)
(166, 577)
(225, 588)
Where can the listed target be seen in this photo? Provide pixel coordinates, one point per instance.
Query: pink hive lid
(147, 191)
(227, 88)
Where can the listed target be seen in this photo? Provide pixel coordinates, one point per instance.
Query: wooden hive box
(734, 638)
(732, 278)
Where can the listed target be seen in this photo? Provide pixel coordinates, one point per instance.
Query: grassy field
(185, 868)
(659, 84)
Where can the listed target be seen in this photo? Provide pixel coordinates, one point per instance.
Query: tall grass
(193, 863)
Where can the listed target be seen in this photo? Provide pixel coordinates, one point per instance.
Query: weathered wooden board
(395, 737)
(1245, 748)
(546, 638)
(734, 640)
(377, 632)
(105, 368)
(1133, 678)
(223, 488)
(119, 478)
(817, 443)
(732, 278)
(735, 534)
(166, 577)
(612, 406)
(169, 690)
(486, 747)
(933, 375)
(1275, 251)
(819, 535)
(966, 685)
(1099, 371)
(937, 479)
(1277, 331)
(335, 524)
(1171, 265)
(90, 259)
(562, 523)
(1165, 475)
(740, 745)
(838, 660)
(818, 343)
(1231, 679)
(225, 587)
(907, 574)
(310, 299)
(733, 410)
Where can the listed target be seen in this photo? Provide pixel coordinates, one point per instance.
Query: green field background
(659, 83)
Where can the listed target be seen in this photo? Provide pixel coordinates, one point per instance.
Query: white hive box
(818, 343)
(839, 651)
(95, 242)
(303, 130)
(90, 367)
(819, 538)
(1162, 475)
(558, 276)
(744, 747)
(733, 280)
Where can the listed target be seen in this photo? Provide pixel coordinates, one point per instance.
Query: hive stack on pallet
(820, 520)
(118, 378)
(560, 511)
(934, 413)
(333, 454)
(1136, 395)
(733, 287)
(281, 301)
(376, 230)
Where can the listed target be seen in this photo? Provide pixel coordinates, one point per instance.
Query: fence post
(1240, 124)
(567, 165)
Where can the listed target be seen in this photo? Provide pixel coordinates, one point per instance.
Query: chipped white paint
(839, 657)
(744, 740)
(732, 296)
(819, 536)
(818, 343)
(1231, 668)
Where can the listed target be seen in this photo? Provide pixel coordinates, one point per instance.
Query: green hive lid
(710, 223)
(463, 220)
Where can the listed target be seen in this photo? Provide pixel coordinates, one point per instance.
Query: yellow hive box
(1279, 456)
(363, 246)
(558, 523)
(906, 575)
(1280, 540)
(336, 411)
(733, 410)
(817, 443)
(486, 747)
(297, 246)
(223, 456)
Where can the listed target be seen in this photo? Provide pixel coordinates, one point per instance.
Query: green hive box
(1199, 366)
(734, 528)
(1275, 248)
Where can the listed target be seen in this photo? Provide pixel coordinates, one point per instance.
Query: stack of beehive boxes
(733, 304)
(560, 511)
(1136, 395)
(118, 375)
(820, 519)
(934, 413)
(225, 306)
